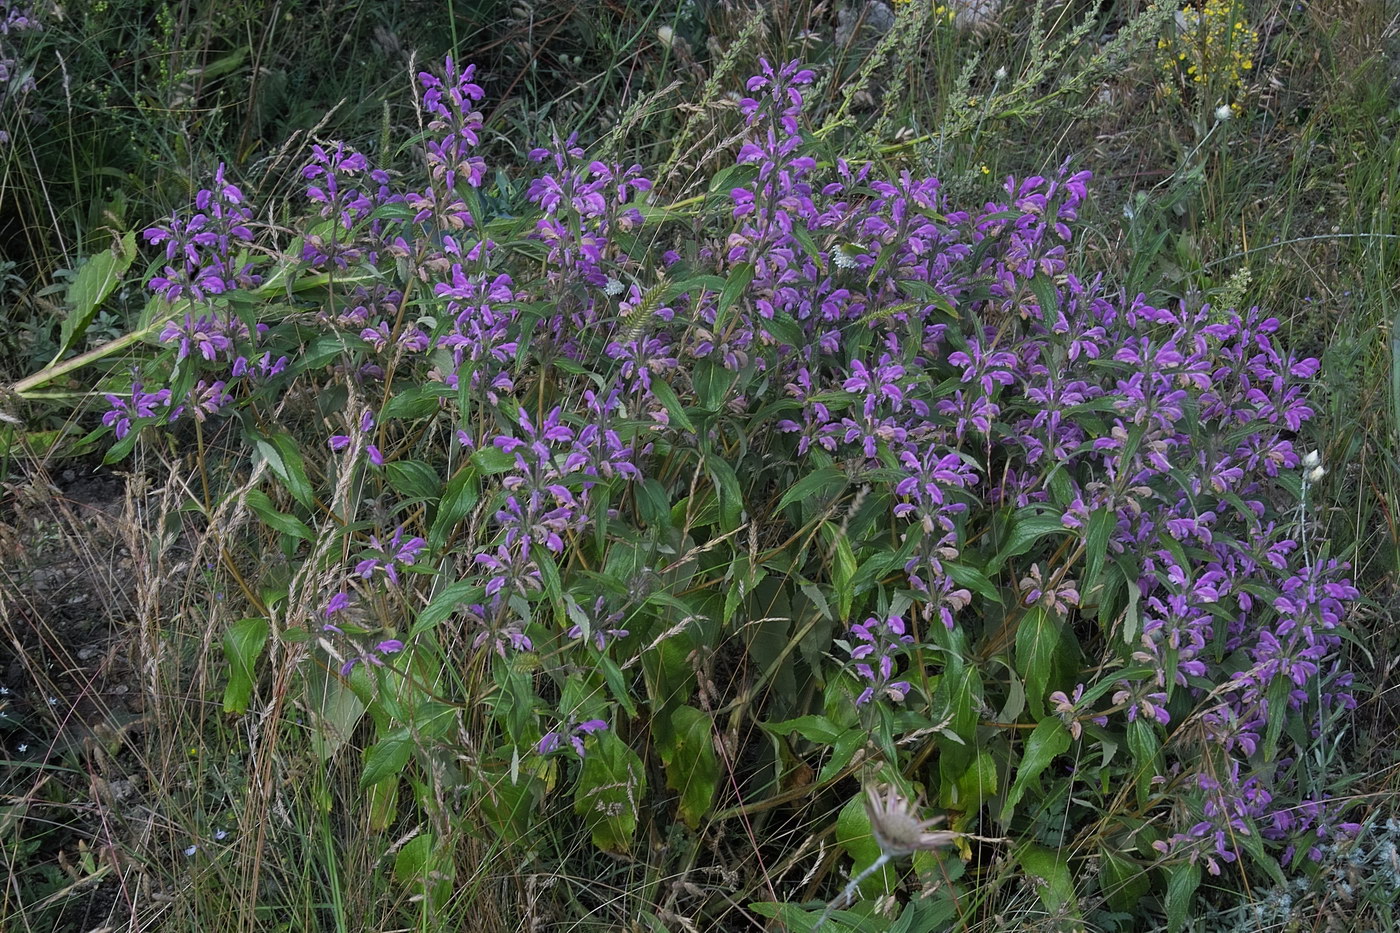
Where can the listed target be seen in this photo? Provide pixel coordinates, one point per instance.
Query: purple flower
(140, 404)
(374, 657)
(573, 732)
(387, 557)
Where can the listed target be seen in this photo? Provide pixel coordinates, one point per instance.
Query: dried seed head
(897, 827)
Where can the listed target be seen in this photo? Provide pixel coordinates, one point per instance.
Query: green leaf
(97, 277)
(817, 729)
(842, 751)
(1182, 881)
(731, 500)
(820, 485)
(335, 708)
(612, 784)
(284, 459)
(508, 806)
(1051, 866)
(445, 603)
(243, 645)
(667, 397)
(843, 574)
(421, 867)
(977, 783)
(387, 758)
(854, 834)
(1101, 523)
(1277, 694)
(493, 460)
(458, 499)
(1028, 528)
(262, 506)
(1044, 290)
(416, 402)
(688, 752)
(973, 579)
(1123, 882)
(1049, 739)
(1037, 639)
(414, 479)
(738, 280)
(1145, 747)
(793, 919)
(653, 505)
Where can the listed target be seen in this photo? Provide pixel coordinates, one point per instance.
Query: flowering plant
(704, 514)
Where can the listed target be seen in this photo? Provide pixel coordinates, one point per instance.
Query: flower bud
(1311, 460)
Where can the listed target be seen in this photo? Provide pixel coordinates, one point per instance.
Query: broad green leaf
(262, 506)
(842, 751)
(925, 914)
(383, 803)
(794, 919)
(959, 693)
(1182, 881)
(336, 709)
(493, 460)
(423, 869)
(738, 280)
(1101, 523)
(1027, 528)
(1277, 694)
(692, 769)
(973, 579)
(843, 574)
(1145, 748)
(97, 277)
(414, 479)
(509, 804)
(282, 455)
(387, 758)
(819, 486)
(1044, 290)
(1049, 739)
(817, 729)
(854, 834)
(1037, 638)
(667, 397)
(611, 786)
(458, 499)
(976, 784)
(243, 645)
(419, 401)
(1051, 867)
(445, 603)
(1123, 882)
(731, 500)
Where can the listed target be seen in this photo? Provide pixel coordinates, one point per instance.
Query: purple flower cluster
(16, 82)
(387, 557)
(877, 643)
(363, 427)
(573, 733)
(951, 357)
(139, 404)
(202, 250)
